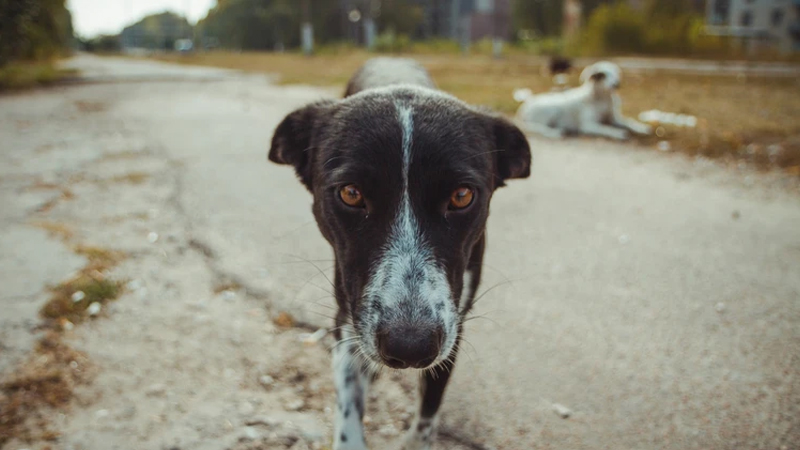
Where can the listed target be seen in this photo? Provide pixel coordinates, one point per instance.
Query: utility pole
(371, 9)
(498, 26)
(307, 29)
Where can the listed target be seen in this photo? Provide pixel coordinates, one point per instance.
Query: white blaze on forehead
(408, 283)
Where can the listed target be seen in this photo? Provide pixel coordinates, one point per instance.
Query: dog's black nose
(414, 346)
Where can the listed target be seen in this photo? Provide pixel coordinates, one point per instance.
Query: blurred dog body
(594, 108)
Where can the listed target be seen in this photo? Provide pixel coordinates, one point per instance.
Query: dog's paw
(345, 442)
(409, 444)
(643, 129)
(343, 445)
(419, 437)
(620, 135)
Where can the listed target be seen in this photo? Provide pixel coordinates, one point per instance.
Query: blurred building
(470, 20)
(761, 23)
(486, 19)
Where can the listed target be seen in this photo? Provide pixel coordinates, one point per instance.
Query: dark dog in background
(402, 175)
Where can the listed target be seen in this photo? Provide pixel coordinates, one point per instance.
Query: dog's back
(381, 72)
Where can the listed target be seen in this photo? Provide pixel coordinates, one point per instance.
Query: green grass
(25, 75)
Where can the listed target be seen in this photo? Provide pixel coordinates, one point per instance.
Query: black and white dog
(402, 175)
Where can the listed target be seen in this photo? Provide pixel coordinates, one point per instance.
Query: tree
(253, 24)
(543, 17)
(33, 29)
(156, 31)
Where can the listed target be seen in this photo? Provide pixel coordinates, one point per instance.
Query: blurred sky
(93, 17)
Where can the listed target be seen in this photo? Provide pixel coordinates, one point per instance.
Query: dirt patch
(90, 107)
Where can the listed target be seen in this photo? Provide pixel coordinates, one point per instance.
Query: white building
(763, 23)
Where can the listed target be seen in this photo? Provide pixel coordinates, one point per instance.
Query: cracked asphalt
(656, 297)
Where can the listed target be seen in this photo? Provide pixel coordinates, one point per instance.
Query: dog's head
(604, 74)
(401, 178)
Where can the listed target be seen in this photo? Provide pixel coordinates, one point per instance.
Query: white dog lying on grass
(594, 108)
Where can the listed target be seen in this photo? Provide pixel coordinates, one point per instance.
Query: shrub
(440, 46)
(390, 42)
(614, 28)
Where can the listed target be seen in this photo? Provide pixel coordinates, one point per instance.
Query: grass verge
(25, 75)
(740, 118)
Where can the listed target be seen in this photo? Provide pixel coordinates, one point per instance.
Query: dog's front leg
(621, 121)
(432, 385)
(599, 129)
(351, 380)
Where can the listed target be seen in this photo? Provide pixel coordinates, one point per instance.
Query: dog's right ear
(292, 141)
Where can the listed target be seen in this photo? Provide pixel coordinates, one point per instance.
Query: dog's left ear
(292, 143)
(598, 76)
(513, 153)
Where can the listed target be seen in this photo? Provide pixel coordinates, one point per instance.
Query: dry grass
(45, 380)
(55, 229)
(123, 155)
(100, 259)
(226, 286)
(85, 106)
(739, 117)
(130, 178)
(66, 194)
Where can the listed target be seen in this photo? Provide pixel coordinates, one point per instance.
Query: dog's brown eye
(351, 196)
(461, 198)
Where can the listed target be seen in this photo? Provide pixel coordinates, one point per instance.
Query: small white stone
(266, 380)
(624, 239)
(156, 390)
(249, 434)
(388, 430)
(228, 295)
(246, 408)
(78, 296)
(152, 237)
(295, 405)
(562, 410)
(664, 146)
(102, 413)
(94, 309)
(719, 307)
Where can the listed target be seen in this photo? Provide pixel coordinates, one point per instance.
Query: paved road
(656, 297)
